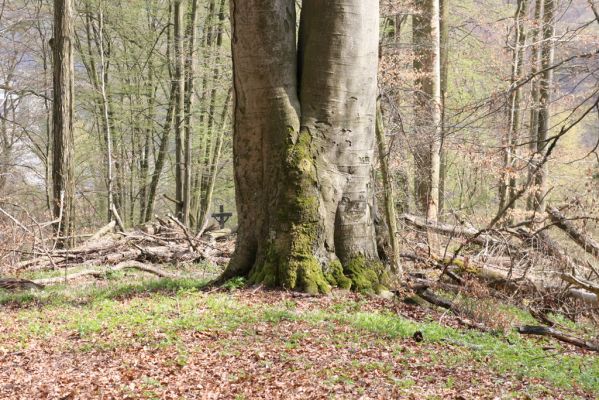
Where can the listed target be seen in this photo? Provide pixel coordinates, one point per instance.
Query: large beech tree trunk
(304, 143)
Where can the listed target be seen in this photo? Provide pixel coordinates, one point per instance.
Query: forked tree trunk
(62, 119)
(304, 144)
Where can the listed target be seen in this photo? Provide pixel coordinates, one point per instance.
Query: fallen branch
(103, 231)
(586, 285)
(19, 284)
(98, 273)
(168, 243)
(448, 305)
(452, 231)
(585, 241)
(559, 335)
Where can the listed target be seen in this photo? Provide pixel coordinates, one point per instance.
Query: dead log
(586, 285)
(19, 284)
(456, 231)
(102, 231)
(585, 241)
(100, 272)
(557, 334)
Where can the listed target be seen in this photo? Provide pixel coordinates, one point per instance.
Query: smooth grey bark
(338, 96)
(304, 143)
(62, 120)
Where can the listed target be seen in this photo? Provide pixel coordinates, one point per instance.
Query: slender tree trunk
(213, 170)
(444, 44)
(189, 73)
(423, 70)
(205, 135)
(111, 207)
(62, 120)
(545, 89)
(166, 129)
(179, 112)
(427, 112)
(535, 59)
(162, 153)
(433, 199)
(507, 187)
(304, 178)
(207, 185)
(388, 192)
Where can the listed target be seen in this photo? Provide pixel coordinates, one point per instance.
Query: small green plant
(235, 283)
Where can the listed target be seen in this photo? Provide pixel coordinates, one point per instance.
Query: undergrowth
(156, 312)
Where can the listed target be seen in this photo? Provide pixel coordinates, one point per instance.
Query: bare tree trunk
(166, 131)
(212, 145)
(304, 179)
(112, 210)
(388, 192)
(507, 186)
(427, 65)
(162, 151)
(427, 111)
(545, 89)
(535, 97)
(189, 73)
(179, 113)
(423, 70)
(62, 120)
(207, 203)
(444, 44)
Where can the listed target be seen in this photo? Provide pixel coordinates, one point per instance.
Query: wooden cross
(222, 216)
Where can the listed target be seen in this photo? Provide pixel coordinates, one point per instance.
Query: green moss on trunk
(290, 260)
(368, 276)
(335, 276)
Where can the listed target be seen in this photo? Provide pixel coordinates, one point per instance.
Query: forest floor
(170, 339)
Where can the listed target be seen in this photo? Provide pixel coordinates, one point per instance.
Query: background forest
(126, 86)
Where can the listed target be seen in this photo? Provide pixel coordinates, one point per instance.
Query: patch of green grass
(63, 295)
